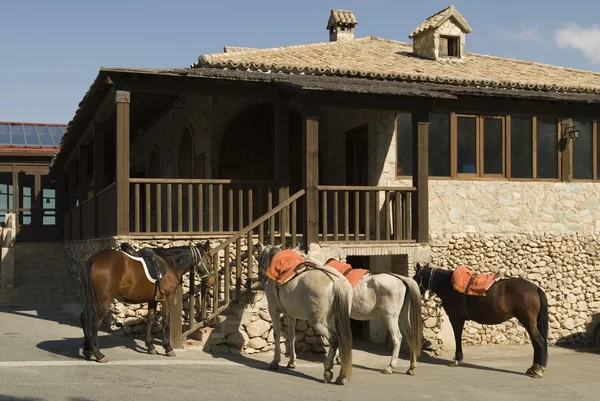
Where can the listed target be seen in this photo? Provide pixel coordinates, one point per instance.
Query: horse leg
(151, 317)
(87, 352)
(392, 324)
(103, 309)
(457, 326)
(333, 346)
(408, 334)
(276, 336)
(537, 341)
(292, 342)
(165, 310)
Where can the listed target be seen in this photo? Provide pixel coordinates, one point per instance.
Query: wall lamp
(571, 132)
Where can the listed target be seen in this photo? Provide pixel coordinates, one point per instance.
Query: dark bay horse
(110, 274)
(505, 299)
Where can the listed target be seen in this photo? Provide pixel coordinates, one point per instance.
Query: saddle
(465, 281)
(352, 275)
(155, 267)
(286, 265)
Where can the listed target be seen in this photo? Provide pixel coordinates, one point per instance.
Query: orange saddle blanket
(283, 266)
(480, 284)
(351, 274)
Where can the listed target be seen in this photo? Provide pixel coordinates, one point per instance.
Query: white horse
(398, 300)
(320, 295)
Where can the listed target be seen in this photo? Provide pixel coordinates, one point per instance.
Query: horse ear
(207, 246)
(297, 248)
(418, 267)
(260, 245)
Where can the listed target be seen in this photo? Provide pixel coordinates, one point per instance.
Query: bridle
(198, 261)
(431, 276)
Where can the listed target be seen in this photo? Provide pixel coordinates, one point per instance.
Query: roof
(391, 60)
(26, 135)
(341, 18)
(437, 19)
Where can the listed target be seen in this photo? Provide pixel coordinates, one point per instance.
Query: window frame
(564, 157)
(447, 39)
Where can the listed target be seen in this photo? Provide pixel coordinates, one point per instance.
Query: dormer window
(450, 46)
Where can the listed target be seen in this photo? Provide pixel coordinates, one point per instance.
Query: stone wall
(566, 266)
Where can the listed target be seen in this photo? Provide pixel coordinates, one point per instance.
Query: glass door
(36, 213)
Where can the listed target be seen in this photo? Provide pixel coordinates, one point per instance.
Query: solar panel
(30, 135)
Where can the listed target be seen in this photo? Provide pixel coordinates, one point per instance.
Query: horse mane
(179, 257)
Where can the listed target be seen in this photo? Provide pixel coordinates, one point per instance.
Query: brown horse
(505, 299)
(110, 274)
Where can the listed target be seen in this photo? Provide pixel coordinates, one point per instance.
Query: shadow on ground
(15, 398)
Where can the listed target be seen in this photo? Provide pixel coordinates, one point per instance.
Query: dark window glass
(546, 150)
(404, 144)
(521, 147)
(583, 154)
(439, 145)
(493, 145)
(466, 138)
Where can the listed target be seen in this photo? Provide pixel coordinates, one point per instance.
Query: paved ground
(39, 360)
(40, 341)
(40, 276)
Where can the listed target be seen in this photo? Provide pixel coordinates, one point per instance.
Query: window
(521, 147)
(547, 148)
(466, 145)
(480, 145)
(439, 145)
(582, 160)
(404, 143)
(449, 46)
(514, 147)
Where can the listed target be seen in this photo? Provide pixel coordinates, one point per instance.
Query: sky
(51, 50)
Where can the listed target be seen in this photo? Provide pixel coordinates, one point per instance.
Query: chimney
(341, 25)
(442, 36)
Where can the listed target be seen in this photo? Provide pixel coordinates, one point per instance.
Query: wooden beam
(371, 101)
(420, 202)
(122, 99)
(181, 85)
(107, 106)
(175, 323)
(99, 179)
(281, 140)
(310, 139)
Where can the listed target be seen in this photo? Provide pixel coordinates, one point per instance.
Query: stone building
(378, 151)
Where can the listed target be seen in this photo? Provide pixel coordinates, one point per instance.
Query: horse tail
(90, 309)
(342, 302)
(542, 324)
(412, 307)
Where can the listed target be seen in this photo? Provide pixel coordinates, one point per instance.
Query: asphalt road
(39, 360)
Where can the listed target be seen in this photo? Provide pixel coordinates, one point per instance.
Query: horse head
(202, 261)
(423, 277)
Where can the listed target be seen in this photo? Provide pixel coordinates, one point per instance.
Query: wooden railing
(88, 222)
(222, 298)
(365, 214)
(107, 210)
(182, 206)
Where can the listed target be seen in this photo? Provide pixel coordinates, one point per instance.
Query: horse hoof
(171, 353)
(291, 365)
(340, 380)
(453, 364)
(327, 376)
(387, 371)
(534, 374)
(410, 372)
(153, 351)
(87, 355)
(101, 359)
(273, 366)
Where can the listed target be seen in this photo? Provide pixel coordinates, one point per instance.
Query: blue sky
(51, 50)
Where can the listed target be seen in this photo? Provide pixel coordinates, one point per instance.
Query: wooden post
(176, 326)
(310, 140)
(72, 199)
(281, 138)
(420, 202)
(122, 99)
(98, 171)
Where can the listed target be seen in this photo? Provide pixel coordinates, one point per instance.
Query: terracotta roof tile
(377, 58)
